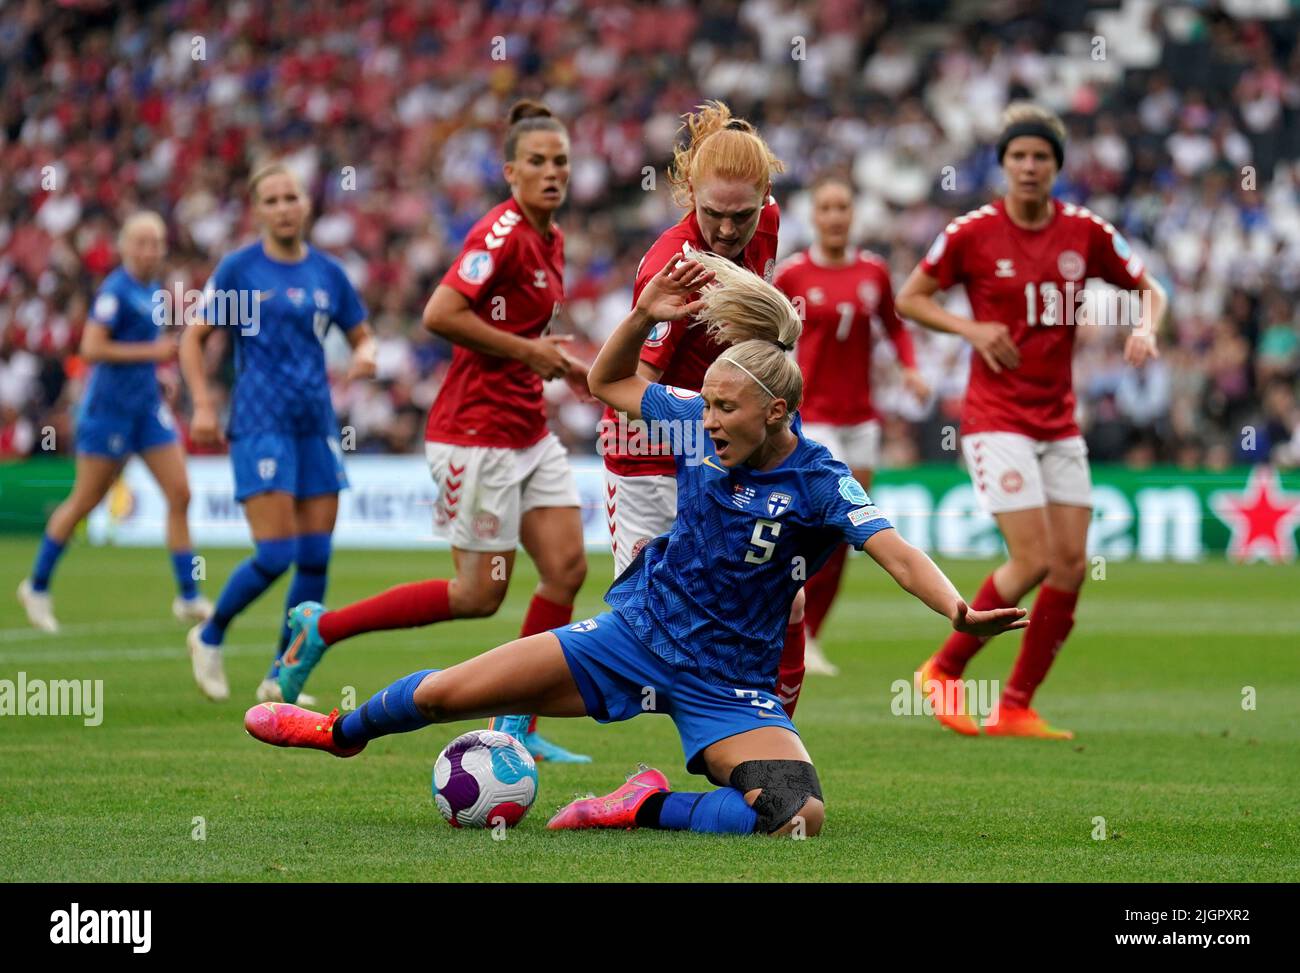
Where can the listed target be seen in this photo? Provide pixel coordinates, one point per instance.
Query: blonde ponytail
(759, 324)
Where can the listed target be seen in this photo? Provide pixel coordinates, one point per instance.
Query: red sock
(542, 616)
(789, 679)
(960, 647)
(405, 606)
(821, 589)
(1050, 622)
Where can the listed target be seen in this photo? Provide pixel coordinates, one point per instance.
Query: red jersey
(681, 349)
(513, 278)
(838, 305)
(1019, 277)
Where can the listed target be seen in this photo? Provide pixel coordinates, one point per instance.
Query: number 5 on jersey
(764, 543)
(752, 696)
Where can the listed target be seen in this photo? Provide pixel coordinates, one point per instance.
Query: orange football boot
(1021, 721)
(958, 721)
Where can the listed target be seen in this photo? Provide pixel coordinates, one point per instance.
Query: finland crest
(584, 626)
(777, 504)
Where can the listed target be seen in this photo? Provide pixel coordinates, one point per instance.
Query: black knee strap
(786, 786)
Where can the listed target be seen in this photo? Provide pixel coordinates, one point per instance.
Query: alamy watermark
(1047, 305)
(54, 697)
(654, 437)
(946, 697)
(77, 926)
(236, 307)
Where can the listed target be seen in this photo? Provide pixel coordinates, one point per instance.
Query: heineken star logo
(1263, 518)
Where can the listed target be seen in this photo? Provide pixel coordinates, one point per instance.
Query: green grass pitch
(1192, 786)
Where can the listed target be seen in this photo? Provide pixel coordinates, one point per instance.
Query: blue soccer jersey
(713, 595)
(125, 306)
(277, 315)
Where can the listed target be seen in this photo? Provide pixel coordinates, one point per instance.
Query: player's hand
(577, 379)
(987, 623)
(915, 384)
(363, 363)
(993, 342)
(667, 296)
(1140, 348)
(204, 428)
(164, 348)
(547, 358)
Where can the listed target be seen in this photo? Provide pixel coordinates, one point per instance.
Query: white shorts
(484, 490)
(857, 447)
(1014, 472)
(638, 508)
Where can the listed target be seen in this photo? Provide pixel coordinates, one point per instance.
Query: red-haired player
(723, 177)
(840, 291)
(1022, 259)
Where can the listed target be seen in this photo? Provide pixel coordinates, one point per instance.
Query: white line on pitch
(131, 655)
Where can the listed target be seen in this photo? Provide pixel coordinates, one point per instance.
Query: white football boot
(209, 669)
(38, 605)
(815, 661)
(196, 609)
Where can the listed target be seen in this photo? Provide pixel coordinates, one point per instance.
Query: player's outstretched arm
(614, 377)
(919, 576)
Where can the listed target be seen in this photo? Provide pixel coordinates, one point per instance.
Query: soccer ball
(484, 778)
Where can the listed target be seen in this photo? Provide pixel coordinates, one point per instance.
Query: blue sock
(183, 569)
(46, 557)
(308, 581)
(723, 811)
(390, 710)
(270, 560)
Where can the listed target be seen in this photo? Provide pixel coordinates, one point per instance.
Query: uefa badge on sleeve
(475, 267)
(105, 307)
(937, 248)
(658, 334)
(851, 490)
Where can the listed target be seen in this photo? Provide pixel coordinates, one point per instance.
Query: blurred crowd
(1184, 132)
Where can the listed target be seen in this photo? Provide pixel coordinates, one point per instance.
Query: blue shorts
(117, 436)
(620, 678)
(301, 466)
